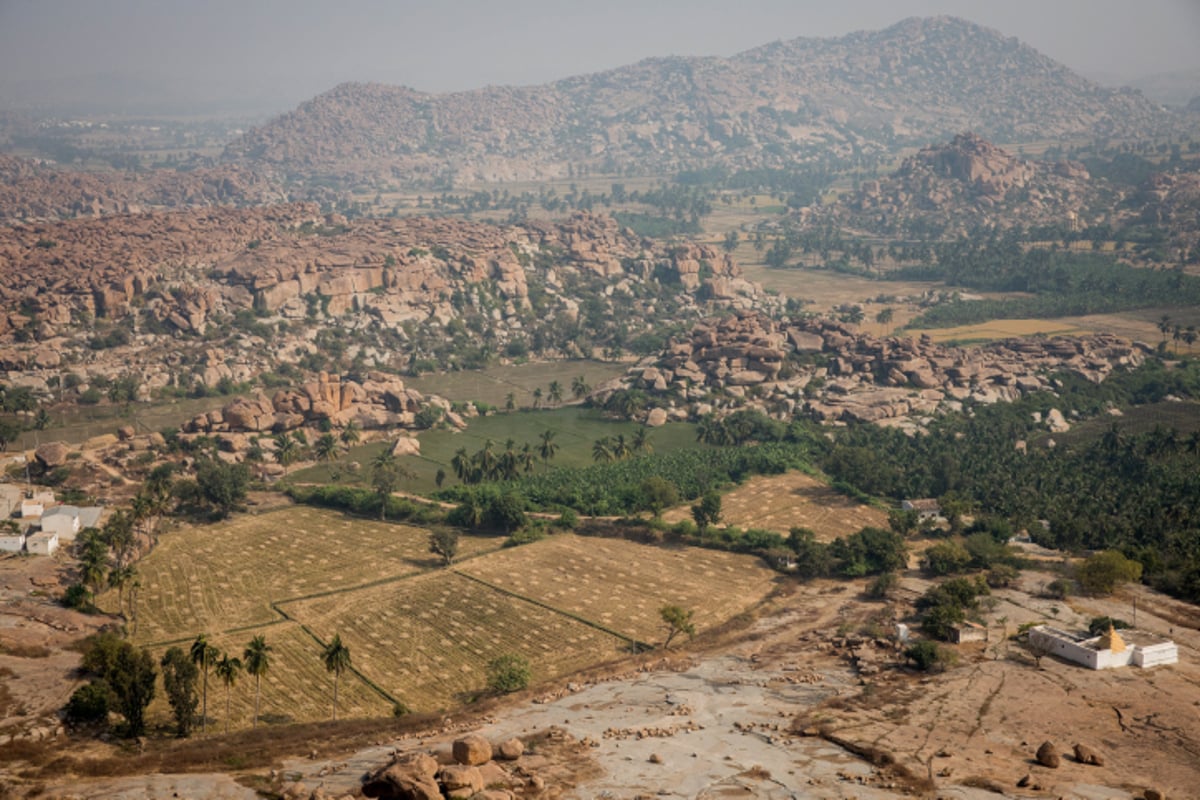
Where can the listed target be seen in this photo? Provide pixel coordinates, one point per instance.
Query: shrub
(1099, 625)
(89, 703)
(78, 597)
(927, 656)
(509, 673)
(1104, 572)
(946, 558)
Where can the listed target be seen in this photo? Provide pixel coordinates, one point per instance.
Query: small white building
(928, 509)
(1109, 650)
(12, 542)
(42, 543)
(35, 505)
(67, 521)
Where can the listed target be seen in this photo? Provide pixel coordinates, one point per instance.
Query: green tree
(257, 658)
(509, 673)
(1104, 572)
(10, 431)
(547, 448)
(203, 654)
(387, 473)
(222, 486)
(444, 543)
(228, 669)
(555, 392)
(641, 441)
(946, 558)
(336, 658)
(326, 448)
(132, 682)
(179, 682)
(658, 493)
(351, 434)
(677, 621)
(120, 578)
(929, 656)
(580, 387)
(708, 511)
(287, 450)
(537, 396)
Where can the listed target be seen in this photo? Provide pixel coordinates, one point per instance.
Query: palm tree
(204, 654)
(228, 669)
(641, 441)
(510, 401)
(386, 475)
(580, 388)
(350, 433)
(527, 458)
(556, 393)
(547, 449)
(621, 448)
(118, 579)
(485, 460)
(257, 659)
(602, 450)
(1164, 326)
(537, 396)
(336, 657)
(326, 448)
(461, 464)
(287, 450)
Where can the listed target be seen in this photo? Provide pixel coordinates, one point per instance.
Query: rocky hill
(216, 295)
(964, 183)
(34, 191)
(919, 80)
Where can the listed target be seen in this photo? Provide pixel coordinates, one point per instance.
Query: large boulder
(510, 749)
(52, 454)
(410, 777)
(460, 781)
(472, 749)
(1086, 755)
(1047, 755)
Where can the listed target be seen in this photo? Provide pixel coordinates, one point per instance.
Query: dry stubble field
(781, 502)
(213, 578)
(622, 585)
(422, 633)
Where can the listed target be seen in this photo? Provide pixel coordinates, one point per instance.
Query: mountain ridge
(807, 99)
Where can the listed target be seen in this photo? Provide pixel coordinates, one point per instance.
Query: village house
(12, 541)
(928, 509)
(968, 632)
(35, 504)
(1109, 650)
(42, 543)
(67, 521)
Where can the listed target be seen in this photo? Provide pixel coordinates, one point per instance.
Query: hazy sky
(280, 52)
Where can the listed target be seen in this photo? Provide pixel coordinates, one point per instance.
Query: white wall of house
(1156, 655)
(42, 544)
(12, 542)
(66, 525)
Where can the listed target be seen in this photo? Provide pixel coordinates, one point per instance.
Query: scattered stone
(1047, 755)
(510, 749)
(1086, 755)
(472, 749)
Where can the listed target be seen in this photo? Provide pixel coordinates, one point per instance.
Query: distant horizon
(262, 57)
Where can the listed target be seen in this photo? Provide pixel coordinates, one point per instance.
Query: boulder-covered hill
(919, 80)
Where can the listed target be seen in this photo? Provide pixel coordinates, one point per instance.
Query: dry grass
(428, 640)
(296, 689)
(1006, 329)
(210, 579)
(622, 585)
(782, 502)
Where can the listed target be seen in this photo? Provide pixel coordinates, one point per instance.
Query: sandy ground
(789, 706)
(37, 671)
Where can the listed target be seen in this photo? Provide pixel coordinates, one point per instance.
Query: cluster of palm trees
(292, 447)
(255, 660)
(1178, 333)
(618, 448)
(553, 393)
(489, 464)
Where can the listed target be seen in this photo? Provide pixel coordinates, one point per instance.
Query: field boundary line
(372, 684)
(590, 623)
(226, 632)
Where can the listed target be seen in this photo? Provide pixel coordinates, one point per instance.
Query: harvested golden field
(782, 502)
(1006, 329)
(296, 688)
(622, 585)
(427, 640)
(213, 578)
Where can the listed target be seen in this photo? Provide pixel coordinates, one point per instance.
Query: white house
(1109, 650)
(42, 543)
(35, 505)
(67, 521)
(927, 508)
(12, 542)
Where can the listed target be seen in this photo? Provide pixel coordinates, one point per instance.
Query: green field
(493, 385)
(576, 429)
